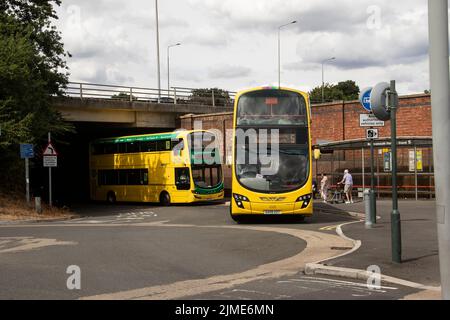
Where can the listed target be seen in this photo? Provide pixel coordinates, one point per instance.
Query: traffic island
(419, 267)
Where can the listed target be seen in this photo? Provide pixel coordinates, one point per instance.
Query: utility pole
(279, 50)
(323, 81)
(157, 51)
(440, 105)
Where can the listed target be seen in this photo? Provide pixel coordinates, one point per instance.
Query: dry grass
(13, 208)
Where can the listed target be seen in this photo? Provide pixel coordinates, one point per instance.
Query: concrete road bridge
(137, 107)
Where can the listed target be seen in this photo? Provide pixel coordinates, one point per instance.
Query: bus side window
(144, 176)
(133, 147)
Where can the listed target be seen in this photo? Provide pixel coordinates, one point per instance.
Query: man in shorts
(347, 180)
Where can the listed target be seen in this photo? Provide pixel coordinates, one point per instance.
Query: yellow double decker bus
(174, 167)
(271, 170)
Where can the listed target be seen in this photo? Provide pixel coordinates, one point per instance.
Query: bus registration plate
(272, 212)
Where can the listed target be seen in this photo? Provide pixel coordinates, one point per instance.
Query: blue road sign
(364, 98)
(26, 150)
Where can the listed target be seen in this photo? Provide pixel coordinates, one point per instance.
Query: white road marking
(18, 244)
(318, 247)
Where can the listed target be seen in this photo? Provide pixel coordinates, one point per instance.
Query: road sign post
(50, 157)
(369, 120)
(384, 103)
(395, 214)
(26, 152)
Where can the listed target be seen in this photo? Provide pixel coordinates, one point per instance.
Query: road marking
(329, 228)
(18, 244)
(318, 247)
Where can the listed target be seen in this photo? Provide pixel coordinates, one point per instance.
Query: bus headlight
(239, 199)
(305, 199)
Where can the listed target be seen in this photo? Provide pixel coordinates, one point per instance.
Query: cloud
(232, 44)
(228, 72)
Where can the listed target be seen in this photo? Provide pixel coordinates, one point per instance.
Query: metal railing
(176, 95)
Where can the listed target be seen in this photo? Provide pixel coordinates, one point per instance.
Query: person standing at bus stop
(324, 185)
(347, 180)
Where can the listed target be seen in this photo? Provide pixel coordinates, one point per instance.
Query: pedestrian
(324, 185)
(347, 180)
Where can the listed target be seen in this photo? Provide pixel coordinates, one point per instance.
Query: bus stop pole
(440, 103)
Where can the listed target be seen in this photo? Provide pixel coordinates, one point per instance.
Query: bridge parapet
(175, 95)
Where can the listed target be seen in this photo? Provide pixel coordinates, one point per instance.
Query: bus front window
(271, 107)
(289, 172)
(206, 177)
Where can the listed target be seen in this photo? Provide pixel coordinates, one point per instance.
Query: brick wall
(336, 122)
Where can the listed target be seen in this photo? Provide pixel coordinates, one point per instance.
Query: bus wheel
(164, 198)
(111, 197)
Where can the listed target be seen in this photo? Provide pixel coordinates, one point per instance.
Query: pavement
(420, 259)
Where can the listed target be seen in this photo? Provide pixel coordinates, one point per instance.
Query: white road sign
(369, 120)
(50, 161)
(372, 134)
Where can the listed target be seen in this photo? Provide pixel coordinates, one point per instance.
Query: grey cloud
(227, 72)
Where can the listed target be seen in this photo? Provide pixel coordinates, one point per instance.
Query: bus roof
(145, 137)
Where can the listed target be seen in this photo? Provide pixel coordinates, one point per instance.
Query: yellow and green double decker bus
(173, 167)
(271, 170)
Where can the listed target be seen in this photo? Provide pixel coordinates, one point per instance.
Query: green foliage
(345, 90)
(204, 96)
(123, 96)
(32, 69)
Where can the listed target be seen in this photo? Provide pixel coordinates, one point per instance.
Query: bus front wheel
(111, 197)
(164, 199)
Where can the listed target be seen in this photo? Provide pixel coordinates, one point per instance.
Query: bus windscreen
(271, 107)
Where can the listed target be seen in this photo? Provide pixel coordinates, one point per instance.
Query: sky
(232, 44)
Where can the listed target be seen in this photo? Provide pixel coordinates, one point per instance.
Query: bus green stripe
(209, 191)
(156, 137)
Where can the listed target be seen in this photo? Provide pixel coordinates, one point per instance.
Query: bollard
(367, 206)
(37, 204)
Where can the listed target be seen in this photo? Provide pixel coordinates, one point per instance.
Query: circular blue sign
(364, 98)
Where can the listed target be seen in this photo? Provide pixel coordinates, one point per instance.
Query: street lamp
(323, 62)
(168, 68)
(279, 51)
(157, 51)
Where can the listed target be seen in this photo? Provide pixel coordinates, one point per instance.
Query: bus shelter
(414, 163)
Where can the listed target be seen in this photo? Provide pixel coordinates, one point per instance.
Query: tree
(330, 93)
(345, 90)
(124, 96)
(349, 89)
(32, 69)
(204, 96)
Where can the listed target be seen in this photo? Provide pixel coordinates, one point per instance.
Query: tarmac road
(180, 252)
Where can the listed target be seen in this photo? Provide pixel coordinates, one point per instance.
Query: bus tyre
(164, 198)
(111, 197)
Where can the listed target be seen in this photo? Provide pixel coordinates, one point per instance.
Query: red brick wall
(336, 122)
(339, 121)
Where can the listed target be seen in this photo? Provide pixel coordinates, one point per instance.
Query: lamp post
(323, 62)
(440, 102)
(279, 51)
(168, 66)
(157, 51)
